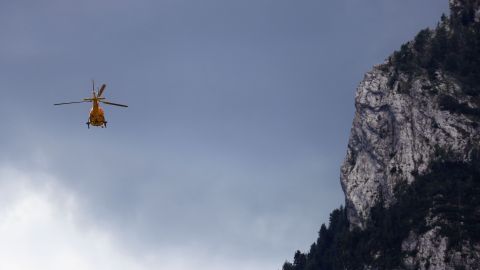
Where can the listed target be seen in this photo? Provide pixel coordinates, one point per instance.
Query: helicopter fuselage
(97, 116)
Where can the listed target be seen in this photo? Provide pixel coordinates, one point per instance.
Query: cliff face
(404, 116)
(396, 132)
(395, 136)
(398, 125)
(411, 175)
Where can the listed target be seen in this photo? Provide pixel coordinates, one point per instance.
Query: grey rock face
(430, 253)
(396, 131)
(431, 250)
(399, 128)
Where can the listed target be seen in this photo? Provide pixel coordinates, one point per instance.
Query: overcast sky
(229, 154)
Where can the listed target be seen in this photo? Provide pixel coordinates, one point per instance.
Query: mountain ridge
(416, 130)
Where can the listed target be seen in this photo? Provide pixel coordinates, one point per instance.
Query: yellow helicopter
(97, 116)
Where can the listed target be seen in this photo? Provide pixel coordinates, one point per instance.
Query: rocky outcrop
(397, 129)
(411, 176)
(429, 252)
(403, 120)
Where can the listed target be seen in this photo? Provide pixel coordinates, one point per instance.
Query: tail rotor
(102, 88)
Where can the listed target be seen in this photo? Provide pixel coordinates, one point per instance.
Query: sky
(228, 156)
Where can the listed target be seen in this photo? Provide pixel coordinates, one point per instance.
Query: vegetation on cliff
(447, 198)
(453, 47)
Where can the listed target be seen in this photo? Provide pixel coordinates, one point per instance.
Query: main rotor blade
(114, 104)
(63, 103)
(100, 92)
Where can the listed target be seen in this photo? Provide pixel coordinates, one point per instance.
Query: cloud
(42, 225)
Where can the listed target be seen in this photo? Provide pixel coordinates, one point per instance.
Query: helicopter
(97, 116)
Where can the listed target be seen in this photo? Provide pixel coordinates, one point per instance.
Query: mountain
(411, 176)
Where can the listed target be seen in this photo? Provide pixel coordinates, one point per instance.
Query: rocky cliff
(399, 124)
(412, 158)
